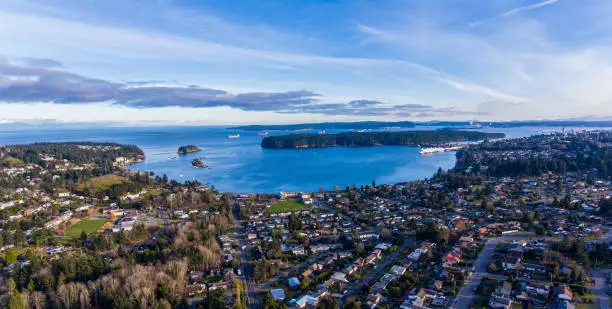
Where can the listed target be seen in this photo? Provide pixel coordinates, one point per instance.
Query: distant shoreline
(377, 125)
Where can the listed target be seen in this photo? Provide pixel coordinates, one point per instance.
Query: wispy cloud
(403, 59)
(514, 11)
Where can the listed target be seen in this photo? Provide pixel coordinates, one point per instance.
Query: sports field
(88, 225)
(288, 205)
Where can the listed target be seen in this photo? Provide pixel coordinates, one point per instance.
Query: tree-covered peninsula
(188, 149)
(356, 139)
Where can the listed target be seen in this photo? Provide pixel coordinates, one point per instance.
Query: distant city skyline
(237, 62)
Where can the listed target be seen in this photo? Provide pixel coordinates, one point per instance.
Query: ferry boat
(431, 150)
(322, 132)
(262, 133)
(232, 136)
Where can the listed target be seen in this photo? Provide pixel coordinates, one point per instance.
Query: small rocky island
(188, 149)
(197, 163)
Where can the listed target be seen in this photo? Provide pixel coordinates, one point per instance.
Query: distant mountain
(327, 126)
(553, 123)
(602, 122)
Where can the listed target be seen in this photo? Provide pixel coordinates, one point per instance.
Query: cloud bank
(32, 84)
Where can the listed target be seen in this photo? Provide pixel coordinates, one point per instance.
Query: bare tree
(37, 300)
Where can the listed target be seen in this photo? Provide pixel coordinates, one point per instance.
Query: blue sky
(230, 61)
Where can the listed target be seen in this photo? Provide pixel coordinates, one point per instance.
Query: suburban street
(600, 288)
(245, 266)
(380, 268)
(466, 294)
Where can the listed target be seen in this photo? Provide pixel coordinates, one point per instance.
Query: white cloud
(422, 55)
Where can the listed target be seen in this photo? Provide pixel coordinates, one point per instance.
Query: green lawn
(102, 183)
(288, 205)
(89, 226)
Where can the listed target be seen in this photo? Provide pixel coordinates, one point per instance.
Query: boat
(431, 150)
(322, 132)
(232, 136)
(262, 133)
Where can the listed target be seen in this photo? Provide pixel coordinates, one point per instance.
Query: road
(600, 288)
(376, 273)
(464, 298)
(599, 276)
(253, 302)
(466, 294)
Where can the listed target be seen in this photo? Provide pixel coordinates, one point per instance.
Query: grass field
(289, 205)
(101, 183)
(11, 162)
(88, 225)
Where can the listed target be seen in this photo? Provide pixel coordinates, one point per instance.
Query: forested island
(357, 139)
(364, 125)
(188, 149)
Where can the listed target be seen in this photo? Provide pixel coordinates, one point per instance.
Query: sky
(210, 62)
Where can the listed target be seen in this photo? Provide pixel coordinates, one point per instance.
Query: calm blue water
(241, 165)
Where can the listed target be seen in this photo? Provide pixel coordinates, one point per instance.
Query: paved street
(599, 276)
(380, 268)
(466, 294)
(600, 288)
(245, 266)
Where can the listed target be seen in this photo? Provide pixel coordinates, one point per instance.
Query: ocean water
(241, 165)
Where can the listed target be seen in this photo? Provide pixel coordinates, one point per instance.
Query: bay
(241, 165)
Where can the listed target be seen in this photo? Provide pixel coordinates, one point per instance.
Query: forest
(358, 139)
(76, 152)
